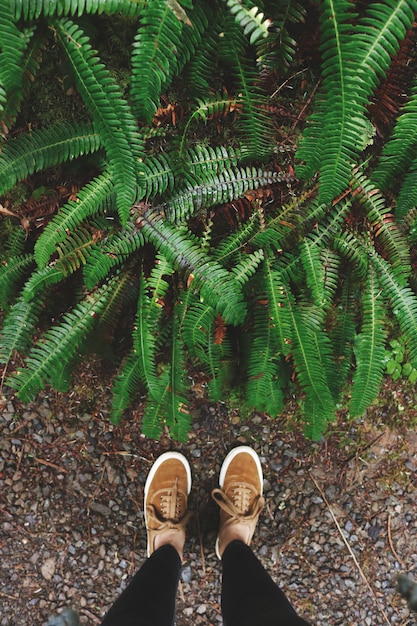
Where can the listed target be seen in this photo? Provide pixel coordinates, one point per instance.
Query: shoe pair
(239, 496)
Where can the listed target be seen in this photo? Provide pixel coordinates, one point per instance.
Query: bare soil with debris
(340, 521)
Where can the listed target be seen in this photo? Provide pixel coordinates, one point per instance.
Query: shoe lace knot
(238, 504)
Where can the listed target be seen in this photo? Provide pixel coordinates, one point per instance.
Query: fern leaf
(12, 273)
(308, 363)
(384, 226)
(110, 112)
(254, 123)
(95, 197)
(154, 413)
(178, 415)
(369, 350)
(59, 344)
(344, 330)
(310, 256)
(279, 312)
(28, 64)
(228, 185)
(214, 283)
(248, 266)
(399, 152)
(403, 302)
(40, 149)
(251, 20)
(19, 328)
(407, 199)
(125, 386)
(29, 10)
(154, 60)
(42, 279)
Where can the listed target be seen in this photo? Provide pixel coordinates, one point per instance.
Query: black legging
(249, 595)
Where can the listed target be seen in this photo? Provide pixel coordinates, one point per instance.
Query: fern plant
(188, 226)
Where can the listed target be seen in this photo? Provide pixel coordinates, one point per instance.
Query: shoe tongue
(172, 501)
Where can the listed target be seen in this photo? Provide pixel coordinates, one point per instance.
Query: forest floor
(339, 523)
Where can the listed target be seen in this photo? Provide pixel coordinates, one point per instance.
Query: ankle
(235, 532)
(173, 538)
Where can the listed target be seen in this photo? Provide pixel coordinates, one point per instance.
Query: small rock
(48, 568)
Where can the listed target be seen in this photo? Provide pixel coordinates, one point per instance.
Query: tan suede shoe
(240, 494)
(166, 496)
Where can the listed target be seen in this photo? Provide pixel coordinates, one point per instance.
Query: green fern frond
(310, 255)
(144, 340)
(111, 114)
(343, 332)
(399, 152)
(40, 149)
(347, 245)
(42, 279)
(125, 387)
(13, 44)
(12, 273)
(331, 118)
(216, 285)
(178, 415)
(30, 10)
(95, 197)
(384, 226)
(369, 349)
(158, 175)
(28, 66)
(228, 185)
(278, 310)
(154, 56)
(215, 106)
(347, 59)
(202, 65)
(263, 386)
(331, 268)
(407, 199)
(60, 343)
(14, 245)
(19, 327)
(403, 302)
(114, 251)
(203, 160)
(227, 248)
(248, 266)
(311, 372)
(251, 20)
(155, 408)
(276, 52)
(254, 123)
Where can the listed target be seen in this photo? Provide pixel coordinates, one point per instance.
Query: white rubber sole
(233, 454)
(161, 459)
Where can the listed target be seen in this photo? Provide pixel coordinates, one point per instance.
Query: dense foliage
(178, 237)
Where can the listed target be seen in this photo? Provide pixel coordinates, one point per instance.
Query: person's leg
(249, 595)
(149, 599)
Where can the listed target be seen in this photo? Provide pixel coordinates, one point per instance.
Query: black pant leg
(149, 599)
(249, 595)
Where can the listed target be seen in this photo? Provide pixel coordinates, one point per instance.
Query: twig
(49, 464)
(91, 616)
(7, 595)
(391, 545)
(355, 560)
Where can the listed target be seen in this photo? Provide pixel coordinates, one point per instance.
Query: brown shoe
(166, 496)
(240, 494)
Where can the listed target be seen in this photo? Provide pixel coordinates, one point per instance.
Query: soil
(339, 524)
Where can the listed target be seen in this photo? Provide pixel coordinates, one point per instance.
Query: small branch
(49, 464)
(391, 545)
(355, 560)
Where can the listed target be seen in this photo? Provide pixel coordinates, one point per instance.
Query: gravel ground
(339, 524)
